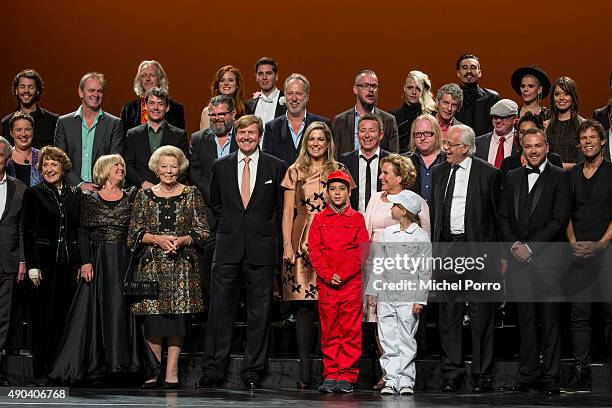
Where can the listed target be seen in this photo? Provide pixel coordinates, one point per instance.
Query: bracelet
(286, 243)
(154, 236)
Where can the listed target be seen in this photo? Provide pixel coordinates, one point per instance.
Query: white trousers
(396, 330)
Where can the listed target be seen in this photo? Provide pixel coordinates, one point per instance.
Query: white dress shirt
(361, 207)
(494, 145)
(457, 214)
(252, 167)
(266, 106)
(533, 177)
(3, 194)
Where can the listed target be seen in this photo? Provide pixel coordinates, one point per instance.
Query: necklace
(170, 191)
(24, 155)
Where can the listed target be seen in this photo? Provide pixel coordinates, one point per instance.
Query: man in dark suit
(534, 212)
(247, 201)
(143, 140)
(28, 87)
(12, 261)
(466, 193)
(207, 146)
(477, 101)
(269, 102)
(363, 163)
(150, 74)
(88, 133)
(283, 135)
(344, 127)
(495, 146)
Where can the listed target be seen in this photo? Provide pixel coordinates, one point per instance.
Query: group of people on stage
(267, 192)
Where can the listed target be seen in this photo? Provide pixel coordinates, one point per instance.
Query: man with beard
(207, 146)
(28, 87)
(345, 129)
(88, 133)
(143, 140)
(449, 100)
(283, 135)
(268, 103)
(477, 101)
(495, 146)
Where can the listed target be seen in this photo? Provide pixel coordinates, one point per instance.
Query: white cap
(410, 200)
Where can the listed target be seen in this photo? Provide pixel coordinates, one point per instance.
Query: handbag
(133, 288)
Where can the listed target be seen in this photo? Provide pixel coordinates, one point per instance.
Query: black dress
(51, 220)
(101, 336)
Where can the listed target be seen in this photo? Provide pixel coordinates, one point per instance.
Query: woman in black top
(23, 163)
(589, 232)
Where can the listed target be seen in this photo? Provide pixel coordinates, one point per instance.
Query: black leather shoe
(251, 381)
(518, 387)
(207, 382)
(482, 384)
(450, 386)
(171, 385)
(152, 384)
(551, 389)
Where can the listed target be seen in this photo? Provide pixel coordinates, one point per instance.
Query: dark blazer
(203, 153)
(137, 152)
(108, 139)
(130, 115)
(343, 129)
(477, 114)
(601, 116)
(11, 227)
(250, 234)
(44, 127)
(251, 105)
(351, 162)
(514, 162)
(550, 210)
(483, 195)
(483, 144)
(277, 137)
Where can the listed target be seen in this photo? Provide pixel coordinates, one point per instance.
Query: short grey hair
(222, 99)
(468, 137)
(453, 90)
(8, 149)
(364, 72)
(299, 77)
(172, 151)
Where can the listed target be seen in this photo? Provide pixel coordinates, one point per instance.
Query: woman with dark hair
(532, 85)
(101, 338)
(51, 220)
(305, 195)
(23, 163)
(227, 81)
(562, 127)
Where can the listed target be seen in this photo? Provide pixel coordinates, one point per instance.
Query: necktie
(368, 186)
(500, 152)
(245, 191)
(448, 203)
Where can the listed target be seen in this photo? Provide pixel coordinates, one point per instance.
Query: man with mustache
(283, 135)
(477, 101)
(88, 133)
(28, 87)
(143, 140)
(269, 102)
(345, 127)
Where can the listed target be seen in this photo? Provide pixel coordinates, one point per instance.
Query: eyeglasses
(495, 117)
(449, 144)
(426, 134)
(368, 86)
(218, 115)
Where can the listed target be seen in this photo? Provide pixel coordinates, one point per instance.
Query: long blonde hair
(304, 161)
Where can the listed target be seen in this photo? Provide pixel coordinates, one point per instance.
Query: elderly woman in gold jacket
(172, 218)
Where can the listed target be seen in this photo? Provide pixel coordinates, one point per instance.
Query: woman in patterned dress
(172, 218)
(305, 195)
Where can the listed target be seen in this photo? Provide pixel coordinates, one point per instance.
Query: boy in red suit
(337, 246)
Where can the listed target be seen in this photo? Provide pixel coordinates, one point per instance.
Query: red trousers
(340, 319)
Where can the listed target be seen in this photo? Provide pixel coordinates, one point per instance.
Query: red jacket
(338, 243)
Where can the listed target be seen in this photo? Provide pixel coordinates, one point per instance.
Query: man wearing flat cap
(532, 85)
(495, 146)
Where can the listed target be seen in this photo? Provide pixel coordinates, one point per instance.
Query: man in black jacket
(269, 102)
(477, 101)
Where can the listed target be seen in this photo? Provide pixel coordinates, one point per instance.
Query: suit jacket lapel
(165, 135)
(522, 178)
(351, 127)
(260, 179)
(233, 179)
(472, 188)
(539, 186)
(99, 136)
(280, 109)
(10, 191)
(352, 165)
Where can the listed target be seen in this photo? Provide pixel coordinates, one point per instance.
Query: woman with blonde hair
(227, 81)
(101, 337)
(305, 196)
(418, 100)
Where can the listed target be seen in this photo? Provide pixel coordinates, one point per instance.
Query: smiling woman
(23, 163)
(227, 81)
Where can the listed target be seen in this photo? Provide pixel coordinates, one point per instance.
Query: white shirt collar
(377, 152)
(254, 156)
(410, 230)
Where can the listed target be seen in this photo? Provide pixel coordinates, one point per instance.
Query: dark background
(328, 41)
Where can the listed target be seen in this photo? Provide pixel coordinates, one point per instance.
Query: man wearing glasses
(344, 127)
(495, 146)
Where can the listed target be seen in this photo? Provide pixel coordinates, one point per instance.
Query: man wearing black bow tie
(246, 199)
(268, 103)
(534, 213)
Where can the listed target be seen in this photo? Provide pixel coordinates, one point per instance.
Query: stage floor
(285, 398)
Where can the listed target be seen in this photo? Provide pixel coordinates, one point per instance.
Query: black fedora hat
(537, 72)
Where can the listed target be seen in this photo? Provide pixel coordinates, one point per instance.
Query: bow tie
(265, 98)
(529, 170)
